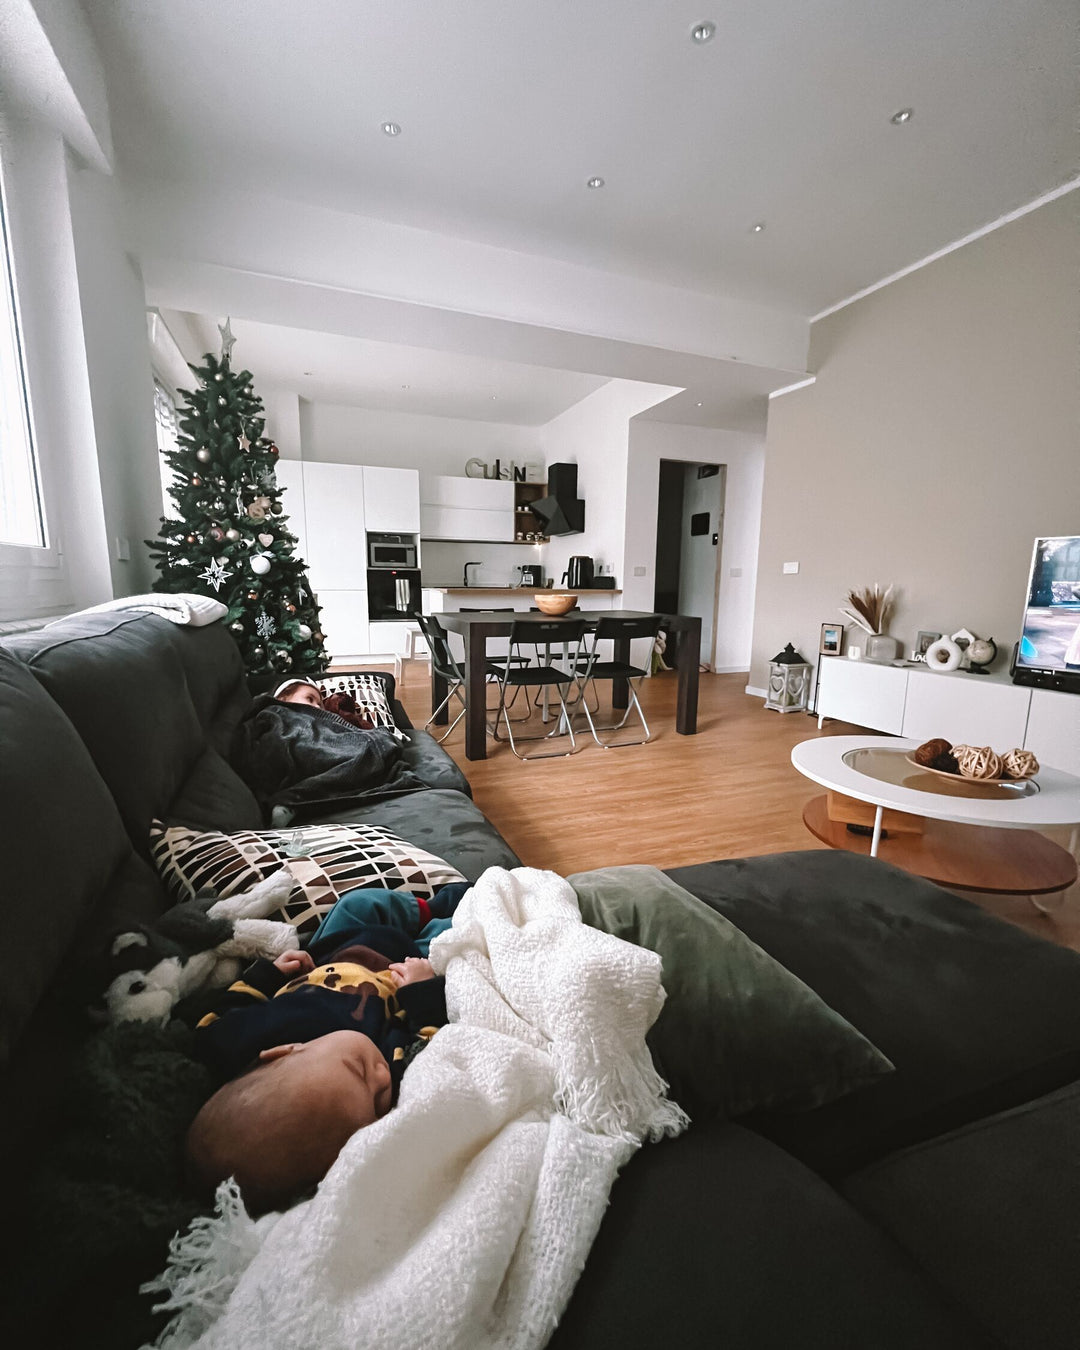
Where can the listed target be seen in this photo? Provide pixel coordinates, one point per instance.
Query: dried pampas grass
(871, 608)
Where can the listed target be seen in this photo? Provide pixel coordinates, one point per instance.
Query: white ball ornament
(203, 456)
(260, 565)
(304, 631)
(232, 536)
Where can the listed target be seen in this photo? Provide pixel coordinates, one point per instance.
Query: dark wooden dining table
(683, 651)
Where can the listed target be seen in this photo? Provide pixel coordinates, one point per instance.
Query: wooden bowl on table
(555, 602)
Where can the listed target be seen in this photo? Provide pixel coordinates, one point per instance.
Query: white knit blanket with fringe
(185, 608)
(461, 1220)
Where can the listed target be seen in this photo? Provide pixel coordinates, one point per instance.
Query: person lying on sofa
(313, 1045)
(343, 705)
(298, 751)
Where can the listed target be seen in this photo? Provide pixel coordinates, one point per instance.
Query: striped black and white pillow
(325, 860)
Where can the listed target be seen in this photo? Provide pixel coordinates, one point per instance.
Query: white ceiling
(508, 106)
(330, 368)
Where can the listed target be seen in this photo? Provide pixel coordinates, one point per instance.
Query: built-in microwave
(391, 550)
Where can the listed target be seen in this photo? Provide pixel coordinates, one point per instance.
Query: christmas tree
(231, 539)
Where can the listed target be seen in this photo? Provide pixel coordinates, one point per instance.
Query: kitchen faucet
(467, 566)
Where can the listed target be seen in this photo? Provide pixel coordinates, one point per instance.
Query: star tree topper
(227, 339)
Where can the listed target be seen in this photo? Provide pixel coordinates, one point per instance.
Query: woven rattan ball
(1019, 764)
(977, 761)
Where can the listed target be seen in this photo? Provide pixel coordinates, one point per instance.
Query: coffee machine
(532, 574)
(579, 573)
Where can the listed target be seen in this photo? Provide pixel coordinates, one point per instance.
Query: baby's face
(302, 693)
(342, 1073)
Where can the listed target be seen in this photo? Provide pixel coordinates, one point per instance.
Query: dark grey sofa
(936, 1208)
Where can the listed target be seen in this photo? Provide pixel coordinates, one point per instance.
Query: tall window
(21, 520)
(167, 421)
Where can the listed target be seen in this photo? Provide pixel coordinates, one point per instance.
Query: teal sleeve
(368, 907)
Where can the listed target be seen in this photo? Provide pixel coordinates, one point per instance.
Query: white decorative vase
(944, 655)
(881, 647)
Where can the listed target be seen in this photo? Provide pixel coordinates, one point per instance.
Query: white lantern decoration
(789, 682)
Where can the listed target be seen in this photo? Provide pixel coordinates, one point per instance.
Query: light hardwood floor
(728, 792)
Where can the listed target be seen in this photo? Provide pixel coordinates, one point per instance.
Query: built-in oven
(393, 592)
(391, 550)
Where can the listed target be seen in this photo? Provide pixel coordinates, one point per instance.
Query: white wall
(595, 435)
(113, 303)
(939, 440)
(743, 456)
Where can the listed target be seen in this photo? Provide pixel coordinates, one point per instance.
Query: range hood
(562, 510)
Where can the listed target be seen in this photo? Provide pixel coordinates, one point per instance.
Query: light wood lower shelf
(970, 857)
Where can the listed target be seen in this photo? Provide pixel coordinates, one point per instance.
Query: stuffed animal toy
(198, 944)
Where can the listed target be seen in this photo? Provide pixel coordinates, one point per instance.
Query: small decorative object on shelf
(980, 654)
(832, 639)
(871, 609)
(789, 681)
(944, 655)
(923, 642)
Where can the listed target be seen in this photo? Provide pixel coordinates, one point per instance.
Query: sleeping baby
(314, 1045)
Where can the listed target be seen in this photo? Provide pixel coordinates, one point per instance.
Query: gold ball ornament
(977, 761)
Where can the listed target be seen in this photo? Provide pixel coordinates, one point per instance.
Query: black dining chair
(444, 664)
(589, 668)
(534, 634)
(497, 660)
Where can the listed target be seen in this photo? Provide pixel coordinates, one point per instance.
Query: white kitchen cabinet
(290, 478)
(334, 512)
(861, 692)
(466, 508)
(459, 522)
(965, 709)
(1053, 729)
(391, 500)
(344, 621)
(389, 638)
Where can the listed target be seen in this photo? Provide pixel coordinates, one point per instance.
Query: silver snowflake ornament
(264, 625)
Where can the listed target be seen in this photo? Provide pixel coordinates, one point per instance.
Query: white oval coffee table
(874, 769)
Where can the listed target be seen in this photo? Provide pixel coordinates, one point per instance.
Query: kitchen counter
(519, 590)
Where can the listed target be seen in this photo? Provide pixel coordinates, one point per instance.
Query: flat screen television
(1048, 653)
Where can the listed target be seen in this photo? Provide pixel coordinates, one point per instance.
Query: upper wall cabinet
(391, 500)
(334, 509)
(467, 508)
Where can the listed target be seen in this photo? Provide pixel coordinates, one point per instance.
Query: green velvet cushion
(738, 1031)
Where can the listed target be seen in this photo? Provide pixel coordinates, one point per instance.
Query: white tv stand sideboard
(966, 709)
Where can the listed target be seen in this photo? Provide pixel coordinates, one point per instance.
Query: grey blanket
(297, 757)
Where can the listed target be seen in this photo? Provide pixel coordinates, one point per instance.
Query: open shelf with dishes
(528, 527)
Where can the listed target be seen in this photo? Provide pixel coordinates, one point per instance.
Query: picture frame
(923, 642)
(832, 639)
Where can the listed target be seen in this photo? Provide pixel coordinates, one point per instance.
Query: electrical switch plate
(791, 568)
(123, 549)
(639, 571)
(736, 571)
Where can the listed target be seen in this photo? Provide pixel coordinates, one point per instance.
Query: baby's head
(299, 691)
(279, 1126)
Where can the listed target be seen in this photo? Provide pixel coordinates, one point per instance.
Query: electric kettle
(579, 573)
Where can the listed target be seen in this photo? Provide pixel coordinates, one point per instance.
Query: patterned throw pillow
(368, 694)
(326, 860)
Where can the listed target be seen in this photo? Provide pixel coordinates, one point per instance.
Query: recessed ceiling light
(406, 386)
(758, 227)
(699, 405)
(391, 128)
(904, 115)
(307, 372)
(702, 32)
(595, 183)
(494, 398)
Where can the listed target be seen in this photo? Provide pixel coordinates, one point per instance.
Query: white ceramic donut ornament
(977, 761)
(944, 655)
(1019, 764)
